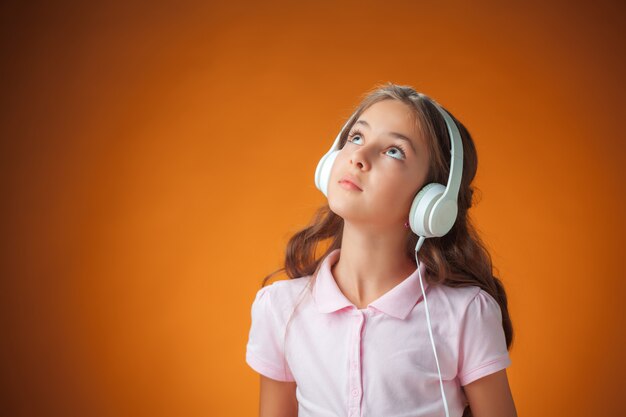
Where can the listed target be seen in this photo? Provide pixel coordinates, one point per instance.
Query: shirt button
(355, 392)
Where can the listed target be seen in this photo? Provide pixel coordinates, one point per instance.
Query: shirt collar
(397, 302)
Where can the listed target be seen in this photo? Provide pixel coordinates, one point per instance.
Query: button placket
(355, 391)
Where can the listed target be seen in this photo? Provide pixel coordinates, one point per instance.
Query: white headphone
(434, 209)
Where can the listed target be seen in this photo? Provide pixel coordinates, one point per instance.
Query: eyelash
(356, 132)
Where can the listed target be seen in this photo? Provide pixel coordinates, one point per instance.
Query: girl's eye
(400, 149)
(356, 133)
(352, 135)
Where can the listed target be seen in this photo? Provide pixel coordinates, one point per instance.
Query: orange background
(156, 157)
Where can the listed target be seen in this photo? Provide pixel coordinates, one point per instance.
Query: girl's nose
(359, 158)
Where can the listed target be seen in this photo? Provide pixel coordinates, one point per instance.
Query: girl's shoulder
(458, 295)
(459, 299)
(282, 295)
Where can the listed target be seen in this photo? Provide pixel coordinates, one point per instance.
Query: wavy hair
(457, 259)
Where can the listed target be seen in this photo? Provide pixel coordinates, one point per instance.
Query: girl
(357, 331)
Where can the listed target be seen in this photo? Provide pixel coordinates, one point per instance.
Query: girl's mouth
(348, 185)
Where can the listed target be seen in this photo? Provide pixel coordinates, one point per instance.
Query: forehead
(389, 114)
(392, 115)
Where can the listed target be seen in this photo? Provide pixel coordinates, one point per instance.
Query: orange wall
(156, 158)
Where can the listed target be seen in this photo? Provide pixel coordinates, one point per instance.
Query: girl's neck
(371, 263)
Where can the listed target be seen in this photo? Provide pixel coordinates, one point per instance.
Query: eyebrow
(394, 134)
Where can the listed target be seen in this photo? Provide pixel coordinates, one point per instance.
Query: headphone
(434, 208)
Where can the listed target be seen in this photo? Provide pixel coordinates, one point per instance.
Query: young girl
(369, 328)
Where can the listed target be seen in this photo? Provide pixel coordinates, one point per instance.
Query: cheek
(335, 169)
(396, 187)
(340, 165)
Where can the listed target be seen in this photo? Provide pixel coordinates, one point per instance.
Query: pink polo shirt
(377, 361)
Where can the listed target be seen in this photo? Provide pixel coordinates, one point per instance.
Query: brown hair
(457, 259)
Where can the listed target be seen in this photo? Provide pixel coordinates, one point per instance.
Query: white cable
(432, 341)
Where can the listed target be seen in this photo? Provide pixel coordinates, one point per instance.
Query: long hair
(457, 259)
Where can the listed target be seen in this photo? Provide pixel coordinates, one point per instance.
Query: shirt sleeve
(482, 349)
(264, 351)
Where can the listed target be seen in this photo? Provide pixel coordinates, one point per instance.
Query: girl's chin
(352, 212)
(347, 205)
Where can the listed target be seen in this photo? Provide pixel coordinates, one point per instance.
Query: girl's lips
(348, 185)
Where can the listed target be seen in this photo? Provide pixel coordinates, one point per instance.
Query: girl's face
(388, 170)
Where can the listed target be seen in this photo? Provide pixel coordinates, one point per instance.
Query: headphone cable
(432, 341)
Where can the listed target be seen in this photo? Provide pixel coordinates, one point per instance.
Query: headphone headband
(456, 154)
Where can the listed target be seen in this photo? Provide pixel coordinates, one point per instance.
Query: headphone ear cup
(322, 172)
(420, 214)
(443, 216)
